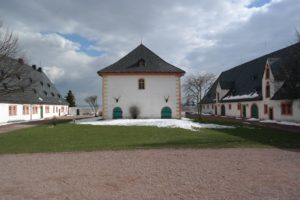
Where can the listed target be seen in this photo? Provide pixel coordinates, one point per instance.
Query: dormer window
(267, 72)
(268, 90)
(141, 84)
(141, 63)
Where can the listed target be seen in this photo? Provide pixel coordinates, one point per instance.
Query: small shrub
(54, 121)
(134, 111)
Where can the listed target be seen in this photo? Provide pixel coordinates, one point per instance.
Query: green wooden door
(117, 113)
(166, 113)
(254, 111)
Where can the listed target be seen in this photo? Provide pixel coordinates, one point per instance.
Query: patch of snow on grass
(253, 119)
(289, 123)
(268, 121)
(19, 122)
(206, 114)
(184, 123)
(281, 122)
(3, 124)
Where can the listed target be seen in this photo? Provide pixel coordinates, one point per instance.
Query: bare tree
(92, 101)
(290, 71)
(8, 42)
(196, 86)
(13, 74)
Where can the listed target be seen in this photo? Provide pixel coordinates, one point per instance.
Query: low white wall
(276, 105)
(82, 111)
(5, 117)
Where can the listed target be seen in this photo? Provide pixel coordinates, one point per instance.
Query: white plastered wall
(150, 101)
(4, 112)
(275, 104)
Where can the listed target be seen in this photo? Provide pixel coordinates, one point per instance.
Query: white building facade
(27, 93)
(144, 81)
(10, 112)
(258, 89)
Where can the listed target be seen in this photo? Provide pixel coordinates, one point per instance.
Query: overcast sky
(73, 39)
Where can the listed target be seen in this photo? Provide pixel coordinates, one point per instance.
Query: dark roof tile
(247, 77)
(38, 92)
(141, 59)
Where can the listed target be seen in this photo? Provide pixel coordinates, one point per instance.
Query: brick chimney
(34, 67)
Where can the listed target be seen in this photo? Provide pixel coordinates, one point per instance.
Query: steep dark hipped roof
(247, 78)
(141, 59)
(41, 91)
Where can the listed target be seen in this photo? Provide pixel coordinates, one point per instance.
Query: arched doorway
(271, 113)
(223, 112)
(244, 113)
(117, 113)
(254, 111)
(166, 113)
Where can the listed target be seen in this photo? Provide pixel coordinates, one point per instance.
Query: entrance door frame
(257, 111)
(223, 110)
(119, 111)
(271, 113)
(42, 111)
(244, 111)
(163, 113)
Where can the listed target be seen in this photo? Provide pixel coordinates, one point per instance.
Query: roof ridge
(270, 53)
(155, 62)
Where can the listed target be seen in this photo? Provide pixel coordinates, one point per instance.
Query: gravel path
(153, 174)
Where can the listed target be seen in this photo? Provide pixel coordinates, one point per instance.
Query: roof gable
(247, 78)
(141, 59)
(41, 91)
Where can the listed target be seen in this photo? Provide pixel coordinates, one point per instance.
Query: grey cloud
(195, 35)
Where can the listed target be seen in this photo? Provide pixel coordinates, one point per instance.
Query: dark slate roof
(226, 84)
(247, 78)
(141, 59)
(275, 64)
(285, 92)
(39, 89)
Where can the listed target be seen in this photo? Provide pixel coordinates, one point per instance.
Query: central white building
(144, 81)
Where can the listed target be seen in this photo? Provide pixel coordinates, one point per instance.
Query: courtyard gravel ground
(153, 174)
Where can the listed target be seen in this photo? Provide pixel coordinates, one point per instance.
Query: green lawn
(70, 137)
